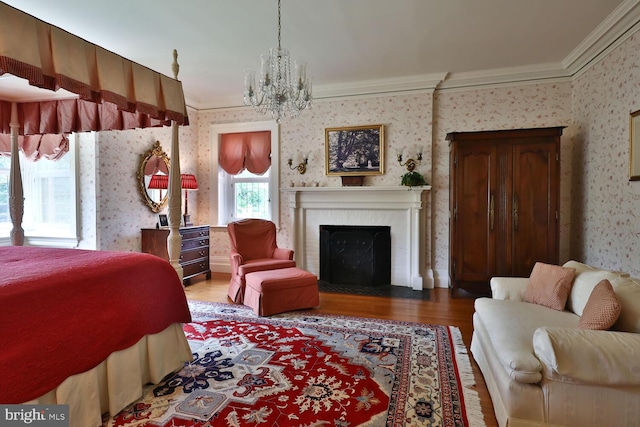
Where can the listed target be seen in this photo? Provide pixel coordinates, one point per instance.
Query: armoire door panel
(534, 196)
(474, 254)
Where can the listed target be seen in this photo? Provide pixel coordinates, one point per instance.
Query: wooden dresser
(194, 253)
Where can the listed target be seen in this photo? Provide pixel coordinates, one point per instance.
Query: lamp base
(187, 220)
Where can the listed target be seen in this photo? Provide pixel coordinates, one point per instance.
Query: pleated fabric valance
(36, 147)
(72, 115)
(246, 150)
(51, 58)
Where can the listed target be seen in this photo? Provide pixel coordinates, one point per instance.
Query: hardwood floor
(440, 310)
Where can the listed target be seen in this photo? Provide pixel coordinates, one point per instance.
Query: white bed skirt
(119, 380)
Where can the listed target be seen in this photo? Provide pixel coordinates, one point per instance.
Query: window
(49, 189)
(245, 195)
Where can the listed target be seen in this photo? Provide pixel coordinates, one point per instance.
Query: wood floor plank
(440, 309)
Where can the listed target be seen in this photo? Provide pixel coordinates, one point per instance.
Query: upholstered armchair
(254, 248)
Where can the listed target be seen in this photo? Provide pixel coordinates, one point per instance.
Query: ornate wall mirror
(153, 177)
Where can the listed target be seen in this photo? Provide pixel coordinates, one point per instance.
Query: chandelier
(276, 92)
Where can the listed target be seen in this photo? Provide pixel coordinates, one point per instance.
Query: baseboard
(441, 278)
(220, 264)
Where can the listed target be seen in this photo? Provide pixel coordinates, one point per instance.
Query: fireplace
(355, 255)
(401, 208)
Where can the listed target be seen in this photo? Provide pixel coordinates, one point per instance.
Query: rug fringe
(467, 379)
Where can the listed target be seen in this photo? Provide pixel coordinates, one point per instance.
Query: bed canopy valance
(107, 91)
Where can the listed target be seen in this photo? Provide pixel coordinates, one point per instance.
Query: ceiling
(351, 46)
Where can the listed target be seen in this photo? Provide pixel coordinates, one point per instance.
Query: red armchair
(254, 248)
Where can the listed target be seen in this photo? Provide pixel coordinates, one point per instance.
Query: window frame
(68, 241)
(216, 195)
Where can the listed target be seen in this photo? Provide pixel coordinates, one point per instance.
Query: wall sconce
(410, 163)
(302, 167)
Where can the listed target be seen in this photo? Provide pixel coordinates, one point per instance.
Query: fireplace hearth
(355, 255)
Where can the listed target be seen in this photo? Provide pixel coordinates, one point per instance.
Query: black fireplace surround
(357, 255)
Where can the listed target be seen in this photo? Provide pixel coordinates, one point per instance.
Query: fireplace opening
(357, 255)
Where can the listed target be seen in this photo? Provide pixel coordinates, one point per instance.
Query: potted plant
(412, 179)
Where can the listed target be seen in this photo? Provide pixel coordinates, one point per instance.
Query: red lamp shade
(158, 182)
(188, 181)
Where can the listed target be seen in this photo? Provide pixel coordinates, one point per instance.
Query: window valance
(246, 150)
(35, 147)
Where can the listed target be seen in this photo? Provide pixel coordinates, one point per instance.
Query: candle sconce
(301, 167)
(411, 163)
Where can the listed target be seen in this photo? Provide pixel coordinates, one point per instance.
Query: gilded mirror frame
(156, 150)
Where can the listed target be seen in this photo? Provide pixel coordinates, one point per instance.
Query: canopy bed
(114, 319)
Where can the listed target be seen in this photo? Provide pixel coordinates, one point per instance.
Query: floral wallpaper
(599, 206)
(606, 227)
(112, 209)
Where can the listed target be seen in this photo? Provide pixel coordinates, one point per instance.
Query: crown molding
(611, 32)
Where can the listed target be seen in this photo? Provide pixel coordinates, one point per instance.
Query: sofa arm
(509, 288)
(281, 253)
(587, 356)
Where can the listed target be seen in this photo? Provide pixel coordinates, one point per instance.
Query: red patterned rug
(307, 369)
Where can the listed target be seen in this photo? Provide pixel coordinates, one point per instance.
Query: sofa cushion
(628, 292)
(510, 325)
(602, 308)
(585, 280)
(549, 285)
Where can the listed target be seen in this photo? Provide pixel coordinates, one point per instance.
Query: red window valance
(35, 147)
(246, 150)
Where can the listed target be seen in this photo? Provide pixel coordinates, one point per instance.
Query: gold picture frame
(354, 150)
(634, 146)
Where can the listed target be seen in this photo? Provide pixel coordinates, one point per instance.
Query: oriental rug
(308, 369)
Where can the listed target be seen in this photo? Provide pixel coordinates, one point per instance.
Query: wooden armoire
(504, 205)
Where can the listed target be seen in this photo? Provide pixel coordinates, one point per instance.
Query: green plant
(412, 179)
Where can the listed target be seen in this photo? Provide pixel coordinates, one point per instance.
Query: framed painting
(634, 146)
(354, 150)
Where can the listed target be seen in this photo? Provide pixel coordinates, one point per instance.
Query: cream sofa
(541, 369)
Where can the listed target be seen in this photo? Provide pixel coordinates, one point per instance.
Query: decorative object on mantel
(412, 179)
(302, 166)
(352, 180)
(355, 150)
(634, 146)
(275, 91)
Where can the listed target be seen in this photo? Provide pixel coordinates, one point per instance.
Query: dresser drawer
(188, 245)
(194, 233)
(192, 255)
(193, 268)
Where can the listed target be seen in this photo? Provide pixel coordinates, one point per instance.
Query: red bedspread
(63, 311)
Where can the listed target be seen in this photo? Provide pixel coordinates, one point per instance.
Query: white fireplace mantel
(401, 208)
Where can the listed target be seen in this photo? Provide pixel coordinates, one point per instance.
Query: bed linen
(64, 311)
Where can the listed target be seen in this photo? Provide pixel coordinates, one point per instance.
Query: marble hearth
(401, 208)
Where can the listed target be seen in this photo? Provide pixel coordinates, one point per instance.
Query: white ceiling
(351, 46)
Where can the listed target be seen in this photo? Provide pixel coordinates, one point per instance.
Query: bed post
(174, 241)
(16, 197)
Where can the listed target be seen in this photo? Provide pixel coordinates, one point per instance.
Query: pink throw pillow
(550, 285)
(602, 308)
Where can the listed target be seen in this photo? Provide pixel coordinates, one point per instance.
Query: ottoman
(276, 291)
